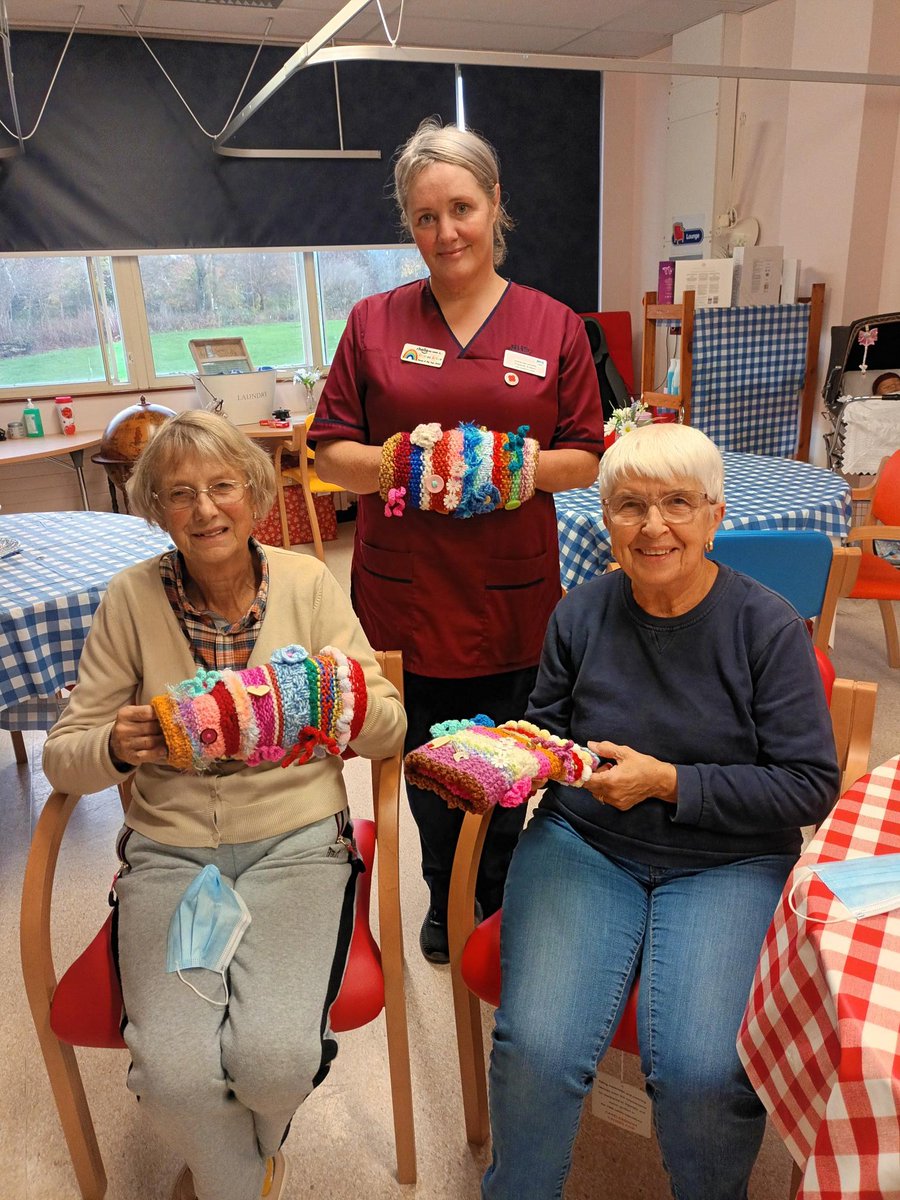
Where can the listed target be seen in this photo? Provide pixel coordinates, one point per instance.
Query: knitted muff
(295, 707)
(461, 472)
(475, 764)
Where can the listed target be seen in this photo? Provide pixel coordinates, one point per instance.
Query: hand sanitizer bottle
(31, 418)
(673, 377)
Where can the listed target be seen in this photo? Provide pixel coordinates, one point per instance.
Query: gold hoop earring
(708, 545)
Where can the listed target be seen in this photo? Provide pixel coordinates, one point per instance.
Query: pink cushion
(86, 1009)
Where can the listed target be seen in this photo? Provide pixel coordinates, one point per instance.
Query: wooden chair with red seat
(84, 1008)
(310, 484)
(877, 579)
(475, 950)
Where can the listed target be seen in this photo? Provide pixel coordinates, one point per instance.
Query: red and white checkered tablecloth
(820, 1038)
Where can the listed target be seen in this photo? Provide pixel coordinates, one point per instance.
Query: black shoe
(433, 939)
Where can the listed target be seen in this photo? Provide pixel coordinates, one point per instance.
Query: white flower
(624, 420)
(308, 376)
(426, 436)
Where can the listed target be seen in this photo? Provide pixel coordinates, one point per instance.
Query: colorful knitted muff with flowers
(476, 764)
(296, 707)
(462, 471)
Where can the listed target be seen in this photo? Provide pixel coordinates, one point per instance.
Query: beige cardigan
(136, 647)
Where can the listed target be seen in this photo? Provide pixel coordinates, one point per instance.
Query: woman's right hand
(629, 777)
(137, 736)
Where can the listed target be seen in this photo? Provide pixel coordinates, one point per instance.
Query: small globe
(130, 430)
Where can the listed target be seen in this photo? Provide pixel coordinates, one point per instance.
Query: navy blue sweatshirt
(729, 692)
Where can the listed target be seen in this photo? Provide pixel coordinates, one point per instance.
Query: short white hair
(667, 453)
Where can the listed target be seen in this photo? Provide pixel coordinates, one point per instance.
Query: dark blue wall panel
(118, 163)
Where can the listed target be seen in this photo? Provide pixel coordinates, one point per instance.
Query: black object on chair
(613, 391)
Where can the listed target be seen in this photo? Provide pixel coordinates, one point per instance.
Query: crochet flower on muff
(461, 472)
(475, 764)
(295, 707)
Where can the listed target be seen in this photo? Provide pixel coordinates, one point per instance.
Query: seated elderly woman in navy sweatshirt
(702, 688)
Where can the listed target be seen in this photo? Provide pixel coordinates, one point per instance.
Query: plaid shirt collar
(213, 644)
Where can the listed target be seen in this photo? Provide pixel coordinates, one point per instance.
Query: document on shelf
(708, 278)
(757, 274)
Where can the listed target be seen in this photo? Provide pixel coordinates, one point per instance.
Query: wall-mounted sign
(684, 234)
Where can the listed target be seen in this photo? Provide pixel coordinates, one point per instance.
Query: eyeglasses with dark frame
(222, 493)
(675, 508)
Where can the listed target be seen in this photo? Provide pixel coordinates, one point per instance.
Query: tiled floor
(342, 1140)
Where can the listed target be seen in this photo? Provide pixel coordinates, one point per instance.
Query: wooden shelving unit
(684, 314)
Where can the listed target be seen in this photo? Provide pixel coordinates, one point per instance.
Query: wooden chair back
(305, 475)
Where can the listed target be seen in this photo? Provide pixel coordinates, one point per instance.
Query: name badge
(424, 356)
(526, 363)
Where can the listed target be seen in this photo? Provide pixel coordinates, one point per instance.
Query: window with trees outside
(104, 321)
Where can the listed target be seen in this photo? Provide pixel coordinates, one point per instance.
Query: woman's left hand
(631, 778)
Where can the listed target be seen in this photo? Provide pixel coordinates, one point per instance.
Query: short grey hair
(211, 438)
(667, 453)
(436, 143)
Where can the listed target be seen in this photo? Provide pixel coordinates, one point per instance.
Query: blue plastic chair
(800, 564)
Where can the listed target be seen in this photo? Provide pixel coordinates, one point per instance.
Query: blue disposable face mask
(205, 929)
(865, 886)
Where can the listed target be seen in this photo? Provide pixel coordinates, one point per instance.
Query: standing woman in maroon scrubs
(467, 601)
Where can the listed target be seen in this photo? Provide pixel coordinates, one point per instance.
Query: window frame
(135, 329)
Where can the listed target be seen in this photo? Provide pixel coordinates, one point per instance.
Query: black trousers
(428, 701)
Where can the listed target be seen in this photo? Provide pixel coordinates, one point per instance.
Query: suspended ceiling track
(316, 51)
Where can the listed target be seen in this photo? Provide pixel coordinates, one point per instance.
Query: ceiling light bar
(315, 51)
(566, 62)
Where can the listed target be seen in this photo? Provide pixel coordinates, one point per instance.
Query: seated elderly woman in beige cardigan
(235, 891)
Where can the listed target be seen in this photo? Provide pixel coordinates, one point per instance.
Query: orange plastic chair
(475, 950)
(310, 484)
(877, 579)
(85, 1007)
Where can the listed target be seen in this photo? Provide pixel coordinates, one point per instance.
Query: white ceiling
(602, 28)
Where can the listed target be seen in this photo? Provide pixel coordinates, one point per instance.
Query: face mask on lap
(206, 927)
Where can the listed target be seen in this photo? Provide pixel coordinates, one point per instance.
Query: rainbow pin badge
(422, 356)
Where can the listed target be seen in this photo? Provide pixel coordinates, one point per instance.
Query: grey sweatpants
(222, 1084)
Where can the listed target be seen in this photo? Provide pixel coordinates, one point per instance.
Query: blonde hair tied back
(434, 142)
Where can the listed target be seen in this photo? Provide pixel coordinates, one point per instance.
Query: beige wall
(821, 162)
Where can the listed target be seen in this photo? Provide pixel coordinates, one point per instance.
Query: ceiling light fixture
(238, 3)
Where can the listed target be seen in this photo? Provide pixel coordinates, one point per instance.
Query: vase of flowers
(308, 377)
(623, 420)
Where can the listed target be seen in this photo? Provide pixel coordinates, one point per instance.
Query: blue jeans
(578, 926)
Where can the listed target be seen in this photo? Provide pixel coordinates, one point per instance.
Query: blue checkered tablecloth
(748, 370)
(760, 493)
(49, 591)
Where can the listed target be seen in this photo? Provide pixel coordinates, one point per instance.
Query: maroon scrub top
(459, 597)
